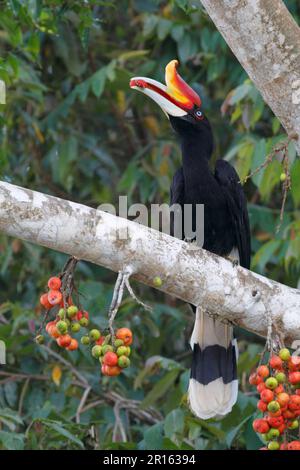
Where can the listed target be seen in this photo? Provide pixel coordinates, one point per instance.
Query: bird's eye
(199, 114)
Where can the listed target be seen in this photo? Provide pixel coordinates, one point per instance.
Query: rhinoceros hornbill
(213, 385)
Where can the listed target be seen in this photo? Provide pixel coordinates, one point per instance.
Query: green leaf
(233, 152)
(132, 55)
(186, 48)
(170, 445)
(98, 82)
(251, 438)
(270, 179)
(60, 111)
(205, 39)
(295, 176)
(11, 389)
(57, 427)
(68, 153)
(292, 152)
(231, 435)
(177, 32)
(209, 426)
(240, 93)
(33, 44)
(258, 158)
(163, 28)
(174, 423)
(244, 159)
(160, 388)
(153, 437)
(10, 415)
(265, 253)
(12, 440)
(275, 125)
(184, 5)
(150, 24)
(82, 90)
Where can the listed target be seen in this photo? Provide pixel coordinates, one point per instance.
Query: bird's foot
(234, 262)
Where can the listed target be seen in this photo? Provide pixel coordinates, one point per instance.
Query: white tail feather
(215, 399)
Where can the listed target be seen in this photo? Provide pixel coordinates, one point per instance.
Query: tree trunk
(266, 40)
(197, 277)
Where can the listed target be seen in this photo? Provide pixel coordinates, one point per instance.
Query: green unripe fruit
(280, 377)
(85, 340)
(273, 445)
(122, 351)
(106, 348)
(128, 351)
(264, 437)
(123, 362)
(271, 383)
(284, 354)
(61, 313)
(118, 343)
(157, 282)
(94, 334)
(294, 424)
(75, 327)
(273, 433)
(273, 406)
(283, 177)
(72, 311)
(40, 339)
(83, 322)
(62, 326)
(96, 351)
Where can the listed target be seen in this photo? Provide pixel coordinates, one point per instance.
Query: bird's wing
(237, 205)
(177, 197)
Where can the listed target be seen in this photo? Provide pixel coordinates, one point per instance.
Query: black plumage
(226, 224)
(213, 383)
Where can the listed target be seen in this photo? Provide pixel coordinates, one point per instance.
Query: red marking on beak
(138, 83)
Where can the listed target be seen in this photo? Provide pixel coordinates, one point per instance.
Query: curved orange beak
(178, 88)
(176, 98)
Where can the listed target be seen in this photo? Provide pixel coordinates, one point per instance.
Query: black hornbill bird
(213, 385)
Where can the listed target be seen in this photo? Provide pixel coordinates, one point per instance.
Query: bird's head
(177, 99)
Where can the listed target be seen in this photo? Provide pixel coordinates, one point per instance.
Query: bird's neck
(196, 153)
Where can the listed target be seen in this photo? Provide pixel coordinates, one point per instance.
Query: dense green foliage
(71, 127)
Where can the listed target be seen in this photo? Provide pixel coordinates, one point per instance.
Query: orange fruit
(126, 335)
(45, 302)
(64, 341)
(54, 297)
(54, 283)
(110, 359)
(73, 345)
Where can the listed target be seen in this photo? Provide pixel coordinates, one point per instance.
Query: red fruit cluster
(113, 353)
(64, 340)
(278, 384)
(53, 296)
(68, 320)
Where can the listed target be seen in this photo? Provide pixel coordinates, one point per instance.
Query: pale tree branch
(265, 38)
(226, 291)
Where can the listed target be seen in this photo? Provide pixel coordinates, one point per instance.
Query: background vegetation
(73, 128)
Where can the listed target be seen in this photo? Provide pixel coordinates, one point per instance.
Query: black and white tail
(213, 385)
